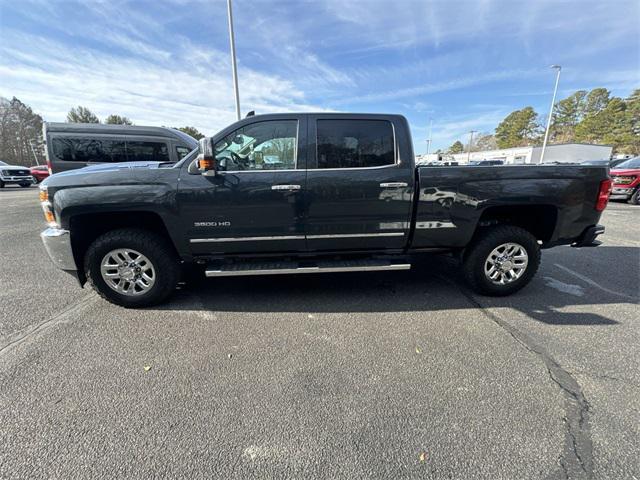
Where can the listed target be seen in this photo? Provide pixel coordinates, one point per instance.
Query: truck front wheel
(132, 267)
(501, 260)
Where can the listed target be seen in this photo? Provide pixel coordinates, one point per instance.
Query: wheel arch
(86, 227)
(540, 220)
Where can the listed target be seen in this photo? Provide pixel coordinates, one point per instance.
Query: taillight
(603, 195)
(49, 167)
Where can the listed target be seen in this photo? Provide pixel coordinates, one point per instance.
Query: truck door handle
(288, 188)
(394, 185)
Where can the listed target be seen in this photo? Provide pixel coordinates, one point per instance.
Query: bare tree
(20, 133)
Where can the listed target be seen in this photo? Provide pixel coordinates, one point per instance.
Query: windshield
(596, 162)
(631, 163)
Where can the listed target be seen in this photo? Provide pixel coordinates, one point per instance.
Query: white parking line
(594, 284)
(569, 288)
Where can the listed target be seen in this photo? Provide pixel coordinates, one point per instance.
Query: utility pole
(429, 139)
(34, 152)
(233, 59)
(558, 68)
(470, 142)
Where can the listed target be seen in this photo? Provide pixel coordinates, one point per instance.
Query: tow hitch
(588, 237)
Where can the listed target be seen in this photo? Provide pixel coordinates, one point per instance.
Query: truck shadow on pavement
(434, 284)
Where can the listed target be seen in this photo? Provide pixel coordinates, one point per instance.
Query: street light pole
(233, 59)
(553, 103)
(470, 141)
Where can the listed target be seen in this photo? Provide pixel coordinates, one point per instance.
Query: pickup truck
(15, 175)
(311, 193)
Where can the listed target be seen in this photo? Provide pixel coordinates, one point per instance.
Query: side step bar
(294, 267)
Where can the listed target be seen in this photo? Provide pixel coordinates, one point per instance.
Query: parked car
(15, 174)
(486, 163)
(77, 145)
(626, 181)
(39, 172)
(311, 193)
(611, 163)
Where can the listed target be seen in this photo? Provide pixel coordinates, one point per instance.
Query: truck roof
(97, 128)
(326, 114)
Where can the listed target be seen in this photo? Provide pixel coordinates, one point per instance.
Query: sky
(462, 64)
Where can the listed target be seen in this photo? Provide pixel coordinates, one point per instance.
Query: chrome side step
(294, 267)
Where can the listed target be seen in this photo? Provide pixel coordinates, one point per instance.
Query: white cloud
(442, 86)
(53, 77)
(450, 128)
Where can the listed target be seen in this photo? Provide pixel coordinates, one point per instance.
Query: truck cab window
(89, 150)
(355, 143)
(268, 145)
(182, 152)
(147, 152)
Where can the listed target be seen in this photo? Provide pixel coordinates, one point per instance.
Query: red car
(40, 172)
(626, 181)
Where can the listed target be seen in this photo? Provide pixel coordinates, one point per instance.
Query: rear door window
(99, 150)
(355, 143)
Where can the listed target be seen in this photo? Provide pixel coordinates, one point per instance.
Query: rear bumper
(588, 237)
(57, 242)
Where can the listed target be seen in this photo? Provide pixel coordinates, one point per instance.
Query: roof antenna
(251, 113)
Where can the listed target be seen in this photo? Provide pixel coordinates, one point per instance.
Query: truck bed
(452, 201)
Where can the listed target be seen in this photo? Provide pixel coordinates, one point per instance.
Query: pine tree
(518, 129)
(117, 120)
(82, 114)
(457, 147)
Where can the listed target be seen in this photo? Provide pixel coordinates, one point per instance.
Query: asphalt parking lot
(390, 375)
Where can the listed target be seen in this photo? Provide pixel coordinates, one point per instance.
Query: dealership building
(565, 152)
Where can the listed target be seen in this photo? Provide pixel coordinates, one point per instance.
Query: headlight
(47, 207)
(44, 193)
(623, 179)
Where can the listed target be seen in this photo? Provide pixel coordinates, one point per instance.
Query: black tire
(1, 184)
(635, 198)
(483, 244)
(153, 246)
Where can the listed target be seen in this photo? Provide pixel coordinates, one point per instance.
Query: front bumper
(20, 179)
(588, 237)
(621, 193)
(57, 242)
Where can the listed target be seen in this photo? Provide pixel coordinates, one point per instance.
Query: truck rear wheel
(132, 267)
(501, 260)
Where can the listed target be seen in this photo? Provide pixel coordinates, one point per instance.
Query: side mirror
(206, 160)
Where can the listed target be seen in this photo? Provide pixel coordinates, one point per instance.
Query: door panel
(356, 207)
(247, 211)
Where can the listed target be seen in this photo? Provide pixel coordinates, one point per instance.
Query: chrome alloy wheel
(127, 272)
(506, 263)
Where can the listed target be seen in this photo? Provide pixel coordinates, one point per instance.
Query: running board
(282, 268)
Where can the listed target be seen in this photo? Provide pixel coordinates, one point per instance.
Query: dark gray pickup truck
(311, 193)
